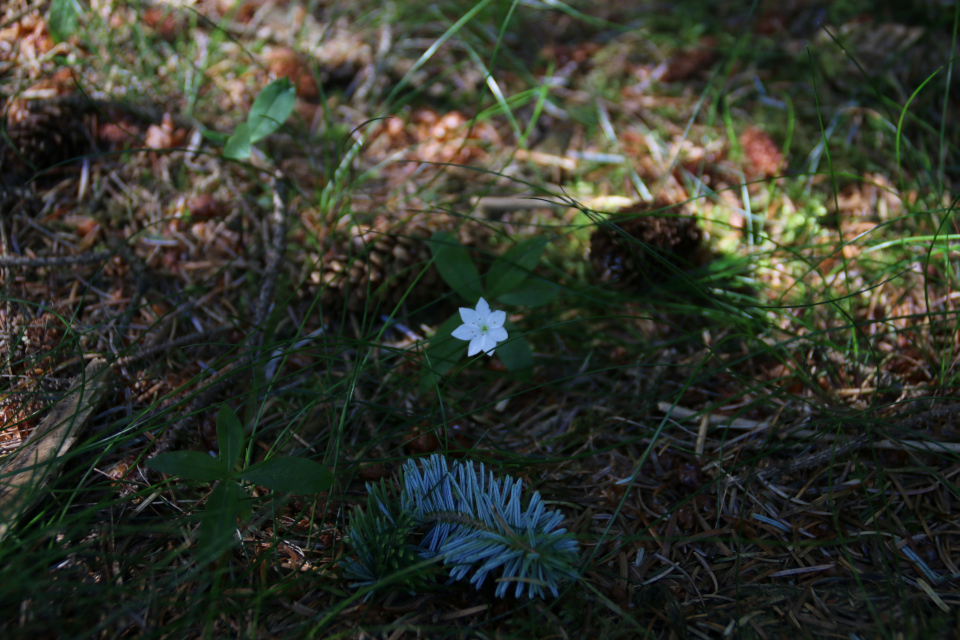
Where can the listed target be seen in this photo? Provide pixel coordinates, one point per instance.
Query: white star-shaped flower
(483, 328)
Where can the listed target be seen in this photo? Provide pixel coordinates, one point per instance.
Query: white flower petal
(499, 334)
(465, 332)
(469, 316)
(483, 310)
(485, 343)
(474, 347)
(496, 319)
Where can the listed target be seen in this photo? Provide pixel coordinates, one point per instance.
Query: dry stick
(275, 251)
(57, 261)
(150, 352)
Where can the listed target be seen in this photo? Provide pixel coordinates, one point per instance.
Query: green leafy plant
(270, 110)
(470, 522)
(509, 281)
(229, 500)
(63, 19)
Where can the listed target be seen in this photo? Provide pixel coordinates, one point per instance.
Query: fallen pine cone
(379, 263)
(649, 242)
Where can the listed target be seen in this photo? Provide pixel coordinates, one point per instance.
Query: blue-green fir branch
(384, 539)
(470, 521)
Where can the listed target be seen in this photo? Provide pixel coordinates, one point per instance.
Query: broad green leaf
(64, 16)
(512, 268)
(455, 266)
(189, 464)
(239, 145)
(219, 520)
(245, 507)
(229, 436)
(214, 136)
(532, 292)
(515, 353)
(443, 351)
(290, 475)
(271, 108)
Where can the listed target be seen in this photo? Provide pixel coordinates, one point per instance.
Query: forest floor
(724, 237)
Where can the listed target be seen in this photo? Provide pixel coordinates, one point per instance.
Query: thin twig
(56, 261)
(275, 248)
(149, 353)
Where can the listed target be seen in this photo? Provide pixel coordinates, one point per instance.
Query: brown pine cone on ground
(380, 262)
(763, 156)
(650, 238)
(42, 134)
